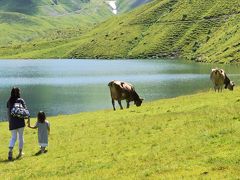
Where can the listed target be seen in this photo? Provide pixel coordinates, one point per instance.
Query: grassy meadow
(187, 137)
(194, 136)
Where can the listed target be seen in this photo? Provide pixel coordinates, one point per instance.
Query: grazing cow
(219, 78)
(122, 90)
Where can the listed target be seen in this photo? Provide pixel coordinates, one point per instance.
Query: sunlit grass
(195, 136)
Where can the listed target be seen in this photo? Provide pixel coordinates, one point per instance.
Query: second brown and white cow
(220, 79)
(123, 91)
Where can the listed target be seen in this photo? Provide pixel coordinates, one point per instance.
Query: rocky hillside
(198, 30)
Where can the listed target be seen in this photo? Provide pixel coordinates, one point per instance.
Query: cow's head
(231, 85)
(138, 102)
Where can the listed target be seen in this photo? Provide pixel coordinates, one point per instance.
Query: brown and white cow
(219, 78)
(123, 91)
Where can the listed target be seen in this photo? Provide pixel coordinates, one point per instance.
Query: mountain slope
(60, 7)
(205, 31)
(126, 5)
(45, 7)
(27, 20)
(198, 30)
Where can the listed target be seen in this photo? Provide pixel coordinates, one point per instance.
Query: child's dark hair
(41, 117)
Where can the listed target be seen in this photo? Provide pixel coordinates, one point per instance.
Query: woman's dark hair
(15, 94)
(41, 117)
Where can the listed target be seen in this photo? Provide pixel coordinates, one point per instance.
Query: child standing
(43, 127)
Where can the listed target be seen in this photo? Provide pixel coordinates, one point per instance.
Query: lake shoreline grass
(116, 105)
(193, 136)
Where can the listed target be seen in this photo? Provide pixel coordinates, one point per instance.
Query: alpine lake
(71, 86)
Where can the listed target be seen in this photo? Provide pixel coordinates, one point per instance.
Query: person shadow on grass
(40, 152)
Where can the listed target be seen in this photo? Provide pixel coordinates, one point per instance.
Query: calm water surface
(71, 86)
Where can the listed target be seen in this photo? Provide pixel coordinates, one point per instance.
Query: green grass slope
(197, 30)
(206, 31)
(189, 137)
(16, 28)
(24, 20)
(46, 7)
(60, 7)
(126, 5)
(44, 22)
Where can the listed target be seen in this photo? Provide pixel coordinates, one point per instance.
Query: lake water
(71, 86)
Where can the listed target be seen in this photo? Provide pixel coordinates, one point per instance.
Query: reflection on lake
(71, 86)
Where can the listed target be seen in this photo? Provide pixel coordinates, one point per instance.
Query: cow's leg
(113, 103)
(120, 104)
(128, 103)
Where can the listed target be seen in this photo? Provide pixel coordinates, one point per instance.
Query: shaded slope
(139, 2)
(126, 5)
(42, 7)
(16, 27)
(58, 7)
(20, 6)
(27, 20)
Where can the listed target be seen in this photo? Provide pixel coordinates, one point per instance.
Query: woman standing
(16, 124)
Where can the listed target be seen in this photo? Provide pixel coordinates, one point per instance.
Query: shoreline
(167, 58)
(131, 105)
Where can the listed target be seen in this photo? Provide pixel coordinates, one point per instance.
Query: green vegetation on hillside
(197, 30)
(24, 21)
(206, 31)
(23, 24)
(126, 5)
(16, 28)
(195, 136)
